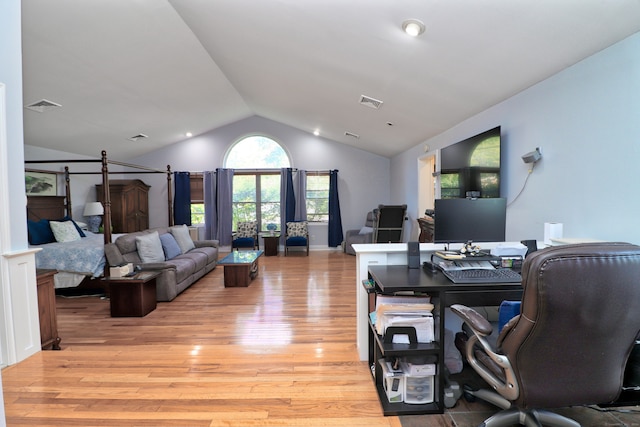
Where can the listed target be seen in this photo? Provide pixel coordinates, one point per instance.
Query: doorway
(427, 183)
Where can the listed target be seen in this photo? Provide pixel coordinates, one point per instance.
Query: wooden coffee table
(240, 268)
(133, 296)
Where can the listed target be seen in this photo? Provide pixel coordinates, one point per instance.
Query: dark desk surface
(397, 278)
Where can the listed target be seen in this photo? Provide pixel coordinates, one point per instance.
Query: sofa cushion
(199, 259)
(210, 252)
(150, 247)
(182, 236)
(170, 246)
(297, 241)
(185, 267)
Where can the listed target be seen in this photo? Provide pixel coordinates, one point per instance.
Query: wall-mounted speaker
(413, 254)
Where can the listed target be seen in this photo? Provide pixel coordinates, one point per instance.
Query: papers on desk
(463, 265)
(405, 311)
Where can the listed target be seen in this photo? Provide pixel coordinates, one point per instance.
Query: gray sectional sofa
(180, 265)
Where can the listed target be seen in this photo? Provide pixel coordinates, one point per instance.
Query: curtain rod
(240, 171)
(112, 162)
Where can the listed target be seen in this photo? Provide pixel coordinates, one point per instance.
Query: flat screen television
(478, 220)
(471, 168)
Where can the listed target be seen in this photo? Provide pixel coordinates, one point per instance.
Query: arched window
(256, 191)
(256, 152)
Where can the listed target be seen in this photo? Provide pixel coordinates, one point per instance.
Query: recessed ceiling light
(189, 134)
(316, 132)
(413, 27)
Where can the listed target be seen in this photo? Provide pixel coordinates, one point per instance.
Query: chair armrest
(155, 266)
(113, 255)
(507, 384)
(350, 233)
(204, 243)
(476, 321)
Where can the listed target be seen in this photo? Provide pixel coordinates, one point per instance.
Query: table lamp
(93, 211)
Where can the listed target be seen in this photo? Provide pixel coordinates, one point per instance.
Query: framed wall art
(41, 184)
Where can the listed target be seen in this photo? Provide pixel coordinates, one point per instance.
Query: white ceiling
(161, 68)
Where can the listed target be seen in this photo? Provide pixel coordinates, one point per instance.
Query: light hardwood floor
(278, 353)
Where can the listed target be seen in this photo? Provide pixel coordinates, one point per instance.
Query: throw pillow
(297, 229)
(64, 231)
(247, 229)
(366, 230)
(170, 246)
(40, 232)
(181, 233)
(66, 218)
(150, 248)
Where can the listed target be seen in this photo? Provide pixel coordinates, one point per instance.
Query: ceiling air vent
(42, 106)
(370, 102)
(352, 135)
(138, 137)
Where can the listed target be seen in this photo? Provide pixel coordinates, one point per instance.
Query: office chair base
(533, 418)
(510, 416)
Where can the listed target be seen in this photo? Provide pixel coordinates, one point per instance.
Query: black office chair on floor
(569, 345)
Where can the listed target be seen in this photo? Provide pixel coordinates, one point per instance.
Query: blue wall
(587, 121)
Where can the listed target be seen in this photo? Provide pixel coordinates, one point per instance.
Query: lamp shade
(93, 208)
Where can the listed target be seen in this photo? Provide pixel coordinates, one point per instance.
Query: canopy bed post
(106, 224)
(169, 196)
(67, 191)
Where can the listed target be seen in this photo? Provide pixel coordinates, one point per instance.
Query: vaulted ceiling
(161, 68)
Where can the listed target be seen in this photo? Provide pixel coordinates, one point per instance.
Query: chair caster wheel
(467, 392)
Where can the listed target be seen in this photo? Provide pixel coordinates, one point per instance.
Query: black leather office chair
(570, 343)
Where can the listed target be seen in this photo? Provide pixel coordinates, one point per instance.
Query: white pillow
(182, 236)
(150, 248)
(366, 230)
(64, 231)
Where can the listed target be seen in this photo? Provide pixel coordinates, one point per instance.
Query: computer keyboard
(496, 275)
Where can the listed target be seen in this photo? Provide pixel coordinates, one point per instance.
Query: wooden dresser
(47, 309)
(129, 205)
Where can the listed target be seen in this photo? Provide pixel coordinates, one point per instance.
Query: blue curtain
(287, 199)
(182, 199)
(300, 190)
(218, 195)
(335, 220)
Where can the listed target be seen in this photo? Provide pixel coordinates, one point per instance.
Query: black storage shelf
(396, 350)
(379, 349)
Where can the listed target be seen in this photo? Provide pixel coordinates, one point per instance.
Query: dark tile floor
(471, 414)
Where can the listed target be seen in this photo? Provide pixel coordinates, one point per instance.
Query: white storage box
(418, 370)
(392, 381)
(418, 390)
(120, 270)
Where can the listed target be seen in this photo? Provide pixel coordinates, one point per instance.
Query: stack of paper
(405, 311)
